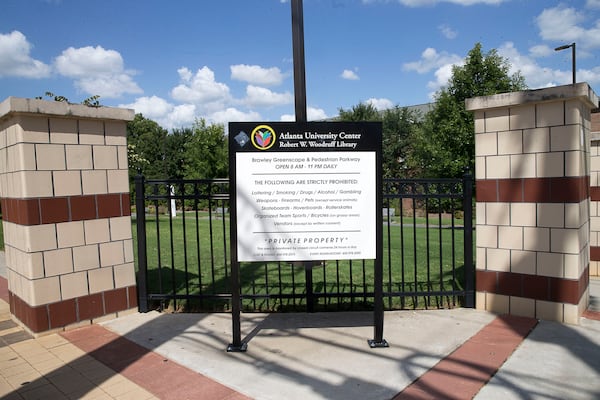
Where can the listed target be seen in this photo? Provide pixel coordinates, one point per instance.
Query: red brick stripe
(594, 253)
(53, 210)
(67, 312)
(595, 315)
(162, 377)
(533, 286)
(464, 372)
(534, 190)
(595, 193)
(4, 289)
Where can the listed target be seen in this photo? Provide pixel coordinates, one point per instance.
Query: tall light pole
(299, 63)
(572, 46)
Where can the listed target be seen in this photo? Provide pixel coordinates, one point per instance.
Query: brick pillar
(533, 209)
(595, 195)
(66, 215)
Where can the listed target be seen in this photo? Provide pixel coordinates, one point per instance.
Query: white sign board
(305, 191)
(306, 205)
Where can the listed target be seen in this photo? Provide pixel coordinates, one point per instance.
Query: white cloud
(380, 104)
(151, 107)
(181, 116)
(257, 75)
(442, 75)
(431, 59)
(262, 97)
(164, 113)
(564, 25)
(349, 75)
(537, 76)
(312, 114)
(541, 51)
(560, 23)
(424, 3)
(15, 59)
(231, 114)
(592, 4)
(200, 88)
(440, 62)
(96, 71)
(447, 31)
(315, 114)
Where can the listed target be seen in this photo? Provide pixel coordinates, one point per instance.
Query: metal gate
(182, 233)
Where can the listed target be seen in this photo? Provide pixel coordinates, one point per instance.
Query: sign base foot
(375, 344)
(232, 348)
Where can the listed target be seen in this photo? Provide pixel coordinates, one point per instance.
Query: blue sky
(231, 60)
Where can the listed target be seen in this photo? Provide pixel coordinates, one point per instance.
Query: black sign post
(305, 192)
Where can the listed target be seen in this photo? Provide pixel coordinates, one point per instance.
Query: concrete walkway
(439, 354)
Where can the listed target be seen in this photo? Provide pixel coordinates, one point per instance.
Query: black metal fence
(182, 232)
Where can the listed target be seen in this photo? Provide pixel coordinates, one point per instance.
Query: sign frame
(349, 149)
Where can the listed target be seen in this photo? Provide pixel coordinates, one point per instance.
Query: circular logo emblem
(263, 137)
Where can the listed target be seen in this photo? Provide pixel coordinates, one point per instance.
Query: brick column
(595, 195)
(533, 209)
(66, 214)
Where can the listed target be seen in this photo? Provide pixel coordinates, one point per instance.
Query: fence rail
(183, 252)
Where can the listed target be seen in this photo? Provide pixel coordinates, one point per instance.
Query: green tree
(444, 146)
(398, 125)
(146, 140)
(360, 112)
(176, 152)
(206, 152)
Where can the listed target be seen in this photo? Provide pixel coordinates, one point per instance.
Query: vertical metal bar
(185, 253)
(364, 279)
(267, 283)
(198, 252)
(468, 240)
(300, 103)
(402, 264)
(453, 212)
(236, 298)
(389, 248)
(280, 285)
(378, 340)
(415, 269)
(172, 244)
(310, 294)
(224, 226)
(211, 242)
(441, 253)
(327, 300)
(574, 63)
(293, 285)
(337, 278)
(253, 290)
(142, 275)
(299, 64)
(351, 284)
(158, 242)
(427, 250)
(236, 305)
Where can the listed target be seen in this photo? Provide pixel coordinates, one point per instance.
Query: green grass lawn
(203, 263)
(202, 266)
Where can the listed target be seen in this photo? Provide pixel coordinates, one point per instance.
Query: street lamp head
(572, 46)
(564, 47)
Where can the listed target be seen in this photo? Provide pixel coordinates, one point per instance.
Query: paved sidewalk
(53, 368)
(305, 356)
